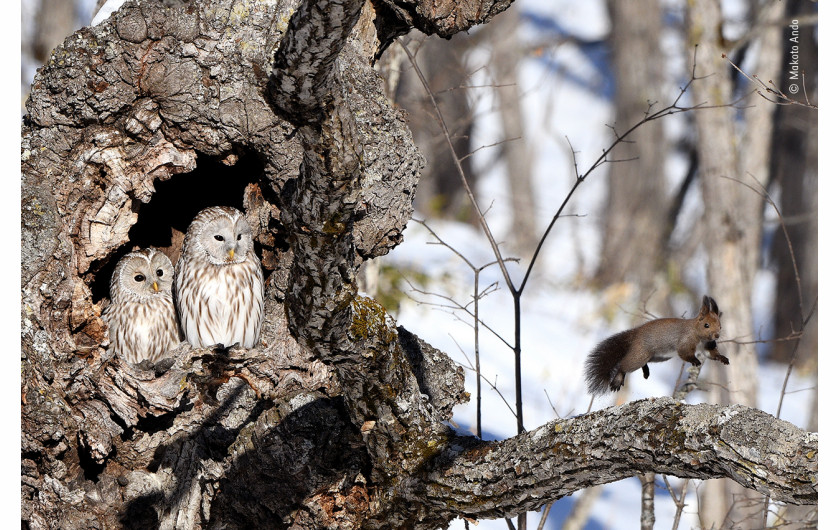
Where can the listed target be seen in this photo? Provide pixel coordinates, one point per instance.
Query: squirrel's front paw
(694, 361)
(724, 360)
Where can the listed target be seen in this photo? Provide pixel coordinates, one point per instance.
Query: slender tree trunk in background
(579, 514)
(636, 212)
(716, 152)
(754, 146)
(517, 152)
(56, 20)
(440, 192)
(794, 168)
(732, 212)
(732, 222)
(648, 518)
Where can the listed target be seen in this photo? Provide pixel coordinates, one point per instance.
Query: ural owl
(141, 319)
(218, 281)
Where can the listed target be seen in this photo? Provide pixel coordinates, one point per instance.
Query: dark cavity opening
(162, 221)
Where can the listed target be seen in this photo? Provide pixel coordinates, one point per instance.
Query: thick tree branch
(500, 479)
(304, 62)
(401, 429)
(445, 17)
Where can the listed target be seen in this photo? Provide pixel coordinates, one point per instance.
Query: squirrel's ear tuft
(712, 305)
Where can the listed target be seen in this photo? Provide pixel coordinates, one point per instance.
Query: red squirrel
(653, 342)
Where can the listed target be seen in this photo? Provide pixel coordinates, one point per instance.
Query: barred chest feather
(147, 331)
(224, 306)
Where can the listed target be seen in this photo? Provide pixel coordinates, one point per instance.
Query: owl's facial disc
(158, 280)
(219, 241)
(142, 274)
(227, 242)
(226, 247)
(151, 283)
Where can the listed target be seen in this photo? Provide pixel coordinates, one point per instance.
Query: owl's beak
(230, 253)
(155, 286)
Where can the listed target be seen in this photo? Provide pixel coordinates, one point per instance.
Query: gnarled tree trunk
(338, 418)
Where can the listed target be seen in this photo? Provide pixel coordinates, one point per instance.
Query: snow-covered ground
(562, 318)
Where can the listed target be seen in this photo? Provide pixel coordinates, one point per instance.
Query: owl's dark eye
(139, 278)
(159, 273)
(239, 237)
(217, 237)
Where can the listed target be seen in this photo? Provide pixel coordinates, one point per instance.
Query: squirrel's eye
(706, 324)
(217, 237)
(159, 273)
(139, 278)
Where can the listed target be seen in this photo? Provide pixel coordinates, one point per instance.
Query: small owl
(219, 281)
(141, 319)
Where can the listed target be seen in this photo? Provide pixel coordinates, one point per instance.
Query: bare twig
(794, 335)
(487, 146)
(455, 305)
(771, 88)
(556, 415)
(493, 385)
(455, 158)
(673, 108)
(544, 516)
(520, 423)
(679, 501)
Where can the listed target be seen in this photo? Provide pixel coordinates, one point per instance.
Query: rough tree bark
(338, 418)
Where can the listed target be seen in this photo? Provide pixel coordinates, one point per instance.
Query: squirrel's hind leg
(646, 371)
(617, 381)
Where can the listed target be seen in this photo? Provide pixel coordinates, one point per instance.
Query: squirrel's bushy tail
(602, 362)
